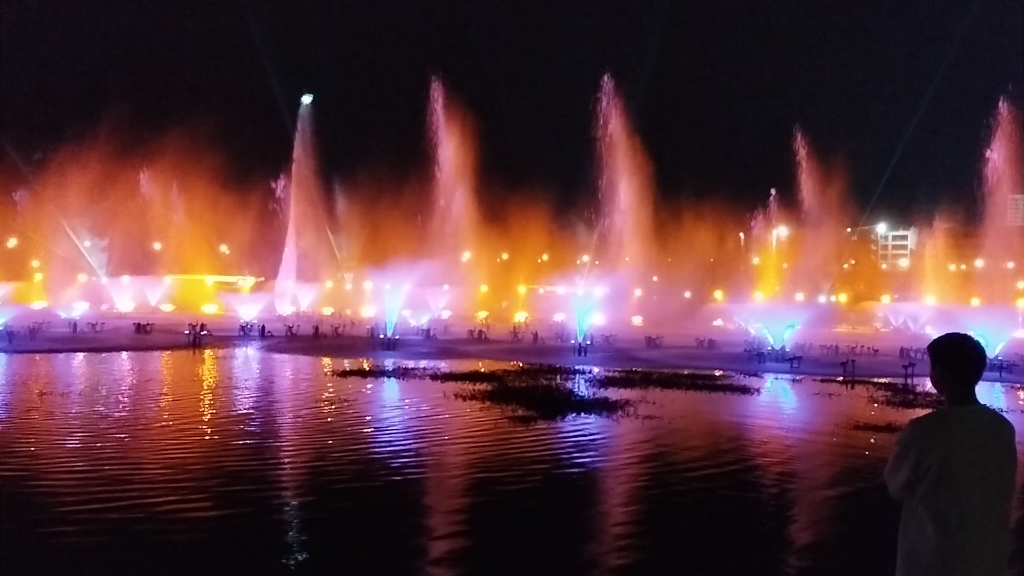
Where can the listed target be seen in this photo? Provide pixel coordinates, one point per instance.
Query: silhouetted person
(954, 471)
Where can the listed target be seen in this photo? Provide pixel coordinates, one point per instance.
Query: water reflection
(295, 470)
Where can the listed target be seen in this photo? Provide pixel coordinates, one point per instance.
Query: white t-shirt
(954, 470)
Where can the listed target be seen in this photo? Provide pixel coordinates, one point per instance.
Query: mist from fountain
(625, 187)
(304, 255)
(1003, 179)
(824, 214)
(455, 219)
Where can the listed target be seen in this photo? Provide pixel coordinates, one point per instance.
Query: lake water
(242, 461)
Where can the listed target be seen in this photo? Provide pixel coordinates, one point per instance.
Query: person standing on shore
(954, 470)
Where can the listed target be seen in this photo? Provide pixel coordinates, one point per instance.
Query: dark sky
(715, 88)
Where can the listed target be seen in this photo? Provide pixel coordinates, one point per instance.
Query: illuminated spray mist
(455, 220)
(1003, 179)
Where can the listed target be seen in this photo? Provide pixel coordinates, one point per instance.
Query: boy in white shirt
(954, 470)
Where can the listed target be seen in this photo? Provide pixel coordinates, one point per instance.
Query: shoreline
(627, 354)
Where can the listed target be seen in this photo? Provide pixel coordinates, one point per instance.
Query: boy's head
(958, 362)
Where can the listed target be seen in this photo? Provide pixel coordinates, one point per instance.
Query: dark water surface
(241, 461)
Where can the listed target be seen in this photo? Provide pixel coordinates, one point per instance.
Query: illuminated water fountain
(455, 219)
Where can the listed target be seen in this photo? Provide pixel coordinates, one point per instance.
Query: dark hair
(959, 356)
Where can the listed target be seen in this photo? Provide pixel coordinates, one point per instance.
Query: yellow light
(504, 255)
(975, 301)
(37, 277)
(166, 307)
(979, 263)
(12, 242)
(522, 289)
(209, 308)
(466, 256)
(759, 296)
(638, 292)
(34, 263)
(755, 260)
(82, 277)
(209, 280)
(884, 266)
(718, 295)
(1020, 285)
(1020, 302)
(158, 246)
(842, 297)
(952, 267)
(367, 285)
(224, 249)
(886, 299)
(38, 305)
(327, 310)
(846, 265)
(782, 231)
(544, 257)
(124, 306)
(637, 320)
(930, 300)
(481, 315)
(903, 262)
(963, 266)
(520, 317)
(329, 284)
(167, 279)
(367, 311)
(585, 257)
(484, 288)
(799, 297)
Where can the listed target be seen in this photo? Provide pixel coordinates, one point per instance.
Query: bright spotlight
(484, 288)
(34, 263)
(799, 296)
(718, 295)
(37, 277)
(327, 311)
(209, 308)
(12, 242)
(1020, 302)
(975, 301)
(482, 315)
(209, 280)
(544, 257)
(367, 311)
(755, 260)
(224, 249)
(822, 299)
(560, 289)
(38, 305)
(979, 263)
(881, 228)
(1020, 285)
(328, 284)
(166, 307)
(654, 278)
(520, 317)
(348, 285)
(1010, 265)
(930, 300)
(124, 306)
(504, 255)
(559, 317)
(597, 319)
(842, 298)
(759, 296)
(82, 277)
(687, 294)
(445, 287)
(367, 285)
(126, 279)
(952, 267)
(158, 246)
(585, 257)
(522, 289)
(832, 298)
(87, 244)
(638, 292)
(446, 314)
(306, 99)
(466, 256)
(904, 262)
(637, 320)
(885, 299)
(782, 231)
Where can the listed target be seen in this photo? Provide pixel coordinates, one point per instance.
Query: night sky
(715, 88)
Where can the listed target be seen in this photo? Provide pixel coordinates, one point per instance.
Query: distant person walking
(954, 471)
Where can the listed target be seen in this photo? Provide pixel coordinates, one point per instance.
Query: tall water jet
(304, 256)
(1002, 236)
(823, 205)
(625, 185)
(455, 217)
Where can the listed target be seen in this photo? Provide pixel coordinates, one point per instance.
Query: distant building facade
(1015, 211)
